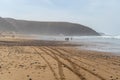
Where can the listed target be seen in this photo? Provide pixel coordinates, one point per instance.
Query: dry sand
(47, 60)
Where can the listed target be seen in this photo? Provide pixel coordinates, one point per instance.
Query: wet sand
(22, 59)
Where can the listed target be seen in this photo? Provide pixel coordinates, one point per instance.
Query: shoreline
(35, 42)
(85, 46)
(24, 59)
(98, 47)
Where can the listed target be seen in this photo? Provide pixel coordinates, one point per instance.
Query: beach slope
(22, 59)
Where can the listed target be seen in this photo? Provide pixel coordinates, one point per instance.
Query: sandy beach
(22, 59)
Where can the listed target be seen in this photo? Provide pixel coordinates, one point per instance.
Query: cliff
(44, 28)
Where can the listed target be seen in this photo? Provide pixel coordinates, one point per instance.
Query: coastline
(98, 44)
(54, 60)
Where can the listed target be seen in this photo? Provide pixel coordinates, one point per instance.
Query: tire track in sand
(68, 67)
(62, 76)
(67, 53)
(52, 70)
(66, 58)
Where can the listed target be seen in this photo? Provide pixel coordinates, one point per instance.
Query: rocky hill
(44, 28)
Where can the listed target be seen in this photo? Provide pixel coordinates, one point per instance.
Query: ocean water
(97, 43)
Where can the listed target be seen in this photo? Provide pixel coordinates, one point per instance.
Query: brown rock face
(45, 28)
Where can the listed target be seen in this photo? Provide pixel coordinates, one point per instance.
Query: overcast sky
(101, 15)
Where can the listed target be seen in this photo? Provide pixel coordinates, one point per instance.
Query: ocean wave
(111, 37)
(96, 37)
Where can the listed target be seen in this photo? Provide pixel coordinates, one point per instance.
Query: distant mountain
(102, 34)
(6, 26)
(44, 28)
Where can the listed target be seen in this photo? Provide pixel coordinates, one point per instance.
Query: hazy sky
(101, 15)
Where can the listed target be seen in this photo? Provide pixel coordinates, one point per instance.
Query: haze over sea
(100, 43)
(97, 43)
